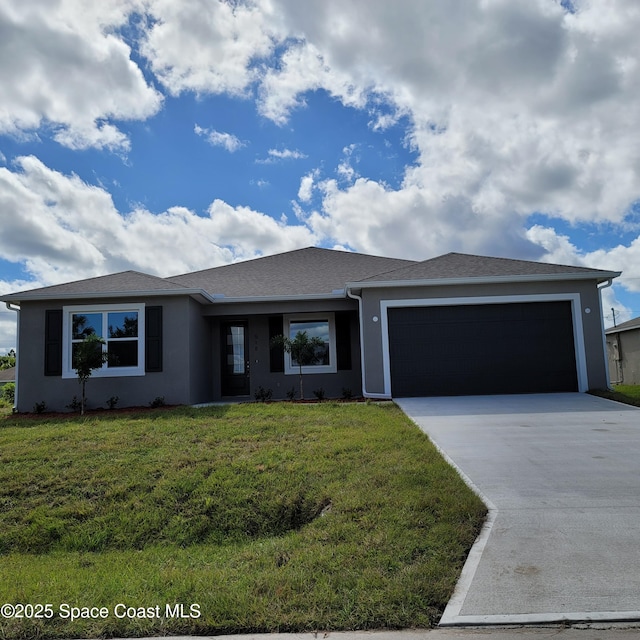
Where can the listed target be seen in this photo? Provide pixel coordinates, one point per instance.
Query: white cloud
(305, 191)
(514, 107)
(207, 47)
(8, 327)
(220, 139)
(301, 69)
(72, 230)
(275, 155)
(65, 68)
(286, 154)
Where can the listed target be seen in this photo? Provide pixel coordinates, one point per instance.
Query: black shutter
(276, 353)
(343, 340)
(53, 342)
(153, 339)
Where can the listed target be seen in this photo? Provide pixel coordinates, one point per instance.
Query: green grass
(626, 393)
(269, 517)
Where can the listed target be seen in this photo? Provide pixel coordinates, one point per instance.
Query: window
(120, 326)
(317, 326)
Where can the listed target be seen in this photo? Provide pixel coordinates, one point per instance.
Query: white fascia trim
(576, 313)
(435, 282)
(221, 299)
(112, 294)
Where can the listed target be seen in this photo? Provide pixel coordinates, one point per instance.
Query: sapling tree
(304, 351)
(88, 355)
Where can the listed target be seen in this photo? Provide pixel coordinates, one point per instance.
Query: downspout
(16, 308)
(365, 393)
(601, 286)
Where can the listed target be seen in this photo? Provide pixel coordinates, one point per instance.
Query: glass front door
(235, 359)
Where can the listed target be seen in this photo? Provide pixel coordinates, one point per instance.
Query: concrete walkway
(561, 476)
(615, 632)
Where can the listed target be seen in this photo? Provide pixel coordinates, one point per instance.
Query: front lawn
(254, 518)
(626, 393)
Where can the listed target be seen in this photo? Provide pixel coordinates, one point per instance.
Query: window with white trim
(120, 326)
(316, 325)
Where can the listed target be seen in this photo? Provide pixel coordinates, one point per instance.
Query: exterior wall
(57, 392)
(623, 355)
(191, 345)
(333, 384)
(589, 323)
(191, 357)
(200, 368)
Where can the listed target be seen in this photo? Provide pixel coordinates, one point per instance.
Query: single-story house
(456, 324)
(623, 352)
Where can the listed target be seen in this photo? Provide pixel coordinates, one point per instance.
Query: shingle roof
(302, 272)
(310, 271)
(123, 282)
(454, 266)
(8, 375)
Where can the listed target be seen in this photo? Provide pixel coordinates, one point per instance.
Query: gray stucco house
(623, 352)
(455, 324)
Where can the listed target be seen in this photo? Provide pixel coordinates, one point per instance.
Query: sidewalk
(555, 632)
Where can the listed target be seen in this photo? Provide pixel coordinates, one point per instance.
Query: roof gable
(116, 283)
(310, 271)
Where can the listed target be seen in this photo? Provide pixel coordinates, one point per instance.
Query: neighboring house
(7, 375)
(623, 352)
(455, 324)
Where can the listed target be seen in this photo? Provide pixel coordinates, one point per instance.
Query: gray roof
(461, 266)
(116, 283)
(7, 375)
(625, 326)
(310, 271)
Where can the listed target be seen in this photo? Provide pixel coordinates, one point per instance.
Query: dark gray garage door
(482, 349)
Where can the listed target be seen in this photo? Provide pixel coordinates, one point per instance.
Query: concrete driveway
(561, 476)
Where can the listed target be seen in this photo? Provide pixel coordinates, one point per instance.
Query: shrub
(262, 395)
(112, 402)
(347, 394)
(40, 407)
(319, 394)
(158, 401)
(8, 393)
(75, 404)
(291, 394)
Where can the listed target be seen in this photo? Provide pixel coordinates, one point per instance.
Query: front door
(235, 359)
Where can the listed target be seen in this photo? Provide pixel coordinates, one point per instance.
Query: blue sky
(168, 137)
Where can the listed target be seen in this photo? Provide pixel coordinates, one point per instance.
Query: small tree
(8, 361)
(304, 351)
(87, 356)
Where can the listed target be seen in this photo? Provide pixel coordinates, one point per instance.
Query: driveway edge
(451, 615)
